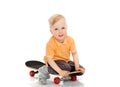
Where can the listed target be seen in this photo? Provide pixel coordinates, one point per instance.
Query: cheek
(65, 31)
(54, 33)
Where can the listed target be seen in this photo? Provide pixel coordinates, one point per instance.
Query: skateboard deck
(34, 64)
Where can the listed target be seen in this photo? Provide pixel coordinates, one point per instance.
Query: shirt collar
(59, 44)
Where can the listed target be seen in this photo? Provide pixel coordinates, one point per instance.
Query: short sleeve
(49, 50)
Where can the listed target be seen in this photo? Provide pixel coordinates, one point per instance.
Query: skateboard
(34, 64)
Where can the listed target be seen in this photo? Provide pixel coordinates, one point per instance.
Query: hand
(64, 73)
(80, 69)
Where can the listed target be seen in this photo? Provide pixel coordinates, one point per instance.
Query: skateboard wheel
(73, 77)
(32, 73)
(56, 80)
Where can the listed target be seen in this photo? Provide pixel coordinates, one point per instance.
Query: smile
(60, 35)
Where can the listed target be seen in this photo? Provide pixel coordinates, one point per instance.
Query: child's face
(59, 30)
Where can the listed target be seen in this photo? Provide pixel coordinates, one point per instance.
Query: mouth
(60, 35)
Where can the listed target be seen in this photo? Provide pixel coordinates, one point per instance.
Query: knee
(83, 71)
(43, 70)
(65, 67)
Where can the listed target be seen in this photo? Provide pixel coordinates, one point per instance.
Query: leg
(43, 74)
(62, 64)
(71, 63)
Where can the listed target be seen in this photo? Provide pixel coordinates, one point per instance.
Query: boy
(58, 51)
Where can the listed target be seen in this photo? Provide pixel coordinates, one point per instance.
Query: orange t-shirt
(60, 51)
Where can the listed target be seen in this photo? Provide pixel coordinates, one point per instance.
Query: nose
(60, 30)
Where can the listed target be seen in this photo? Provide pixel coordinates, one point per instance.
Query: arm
(76, 61)
(52, 63)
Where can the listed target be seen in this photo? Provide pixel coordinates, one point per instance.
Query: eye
(63, 27)
(56, 29)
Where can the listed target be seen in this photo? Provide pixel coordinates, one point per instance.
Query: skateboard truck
(71, 77)
(32, 73)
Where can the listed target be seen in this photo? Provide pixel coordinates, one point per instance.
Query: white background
(94, 24)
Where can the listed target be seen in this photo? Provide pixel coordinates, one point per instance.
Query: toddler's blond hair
(53, 19)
